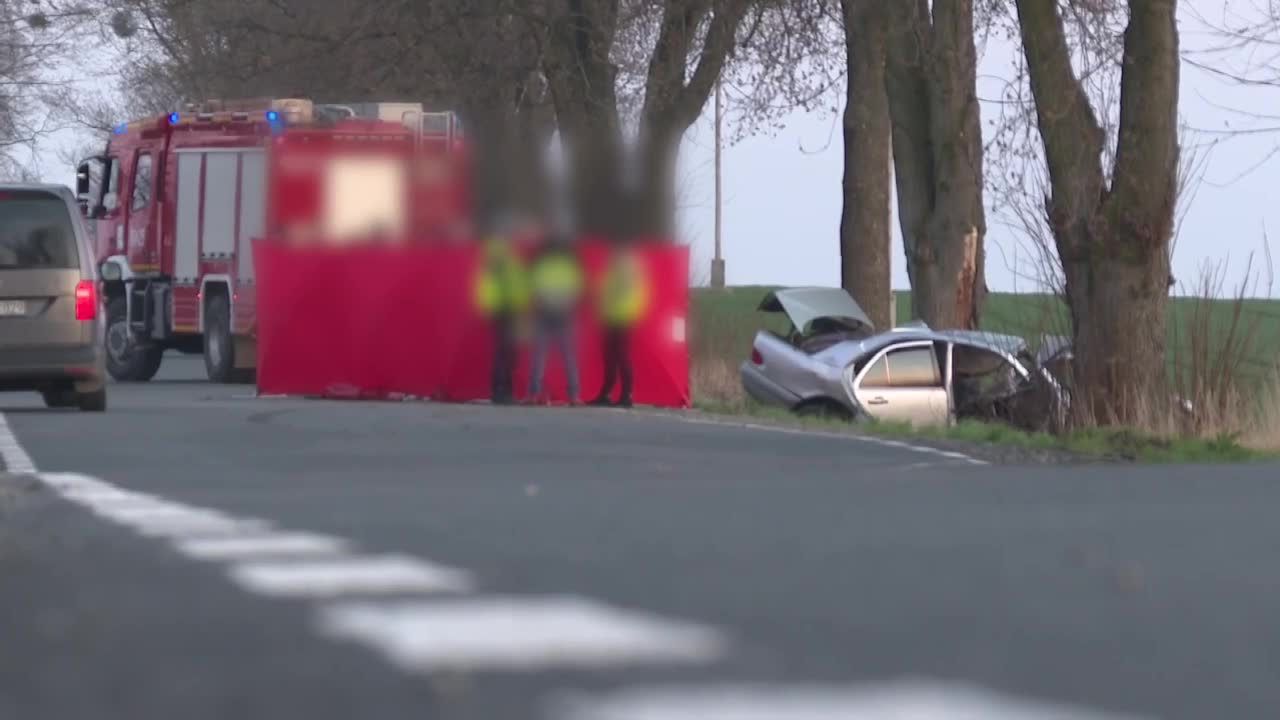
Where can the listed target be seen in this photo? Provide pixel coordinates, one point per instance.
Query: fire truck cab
(177, 201)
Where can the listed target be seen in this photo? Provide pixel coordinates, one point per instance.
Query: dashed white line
(900, 701)
(511, 633)
(476, 633)
(261, 546)
(332, 577)
(479, 633)
(172, 520)
(517, 634)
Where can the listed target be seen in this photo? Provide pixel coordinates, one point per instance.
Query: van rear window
(36, 232)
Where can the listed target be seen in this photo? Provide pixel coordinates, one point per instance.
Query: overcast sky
(782, 191)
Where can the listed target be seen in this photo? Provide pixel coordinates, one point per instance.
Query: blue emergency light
(121, 128)
(273, 116)
(173, 118)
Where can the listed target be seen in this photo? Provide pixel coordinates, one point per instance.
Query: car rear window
(35, 232)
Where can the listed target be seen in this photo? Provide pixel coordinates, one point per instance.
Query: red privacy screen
(383, 322)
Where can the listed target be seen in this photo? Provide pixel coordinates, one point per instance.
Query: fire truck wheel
(219, 349)
(128, 361)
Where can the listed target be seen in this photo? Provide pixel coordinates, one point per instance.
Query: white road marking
(516, 634)
(147, 514)
(262, 546)
(16, 460)
(188, 527)
(351, 575)
(901, 701)
(93, 497)
(128, 513)
(825, 434)
(508, 633)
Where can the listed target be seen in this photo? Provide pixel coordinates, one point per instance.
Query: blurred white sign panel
(364, 197)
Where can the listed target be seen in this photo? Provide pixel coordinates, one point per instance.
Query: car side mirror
(92, 187)
(83, 181)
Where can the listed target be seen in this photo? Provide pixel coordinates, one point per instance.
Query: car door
(904, 383)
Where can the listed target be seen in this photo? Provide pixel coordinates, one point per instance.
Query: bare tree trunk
(864, 220)
(937, 145)
(614, 196)
(653, 197)
(507, 142)
(1114, 242)
(583, 84)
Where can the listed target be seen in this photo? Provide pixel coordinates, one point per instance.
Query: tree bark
(865, 217)
(1114, 241)
(582, 80)
(619, 192)
(937, 145)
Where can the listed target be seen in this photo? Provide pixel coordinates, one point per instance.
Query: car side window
(878, 374)
(141, 182)
(914, 367)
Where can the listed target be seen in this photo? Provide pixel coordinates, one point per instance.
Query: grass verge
(1092, 443)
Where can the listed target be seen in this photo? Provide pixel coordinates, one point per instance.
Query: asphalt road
(200, 553)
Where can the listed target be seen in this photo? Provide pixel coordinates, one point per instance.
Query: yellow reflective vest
(556, 278)
(624, 292)
(500, 286)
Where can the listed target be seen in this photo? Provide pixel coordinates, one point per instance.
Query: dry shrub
(1264, 433)
(1222, 376)
(716, 385)
(722, 325)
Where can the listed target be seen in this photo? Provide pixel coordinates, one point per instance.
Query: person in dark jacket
(621, 302)
(501, 295)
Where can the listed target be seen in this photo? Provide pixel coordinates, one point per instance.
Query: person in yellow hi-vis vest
(501, 294)
(556, 281)
(622, 300)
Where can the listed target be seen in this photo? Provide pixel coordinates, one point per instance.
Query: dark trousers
(504, 358)
(617, 362)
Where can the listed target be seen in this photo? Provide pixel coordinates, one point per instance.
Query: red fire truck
(177, 201)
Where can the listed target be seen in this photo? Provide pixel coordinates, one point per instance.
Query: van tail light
(86, 300)
(756, 358)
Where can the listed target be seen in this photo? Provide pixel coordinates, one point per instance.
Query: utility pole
(717, 263)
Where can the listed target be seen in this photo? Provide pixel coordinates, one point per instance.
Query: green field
(723, 323)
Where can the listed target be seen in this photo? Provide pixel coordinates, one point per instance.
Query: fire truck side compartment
(186, 259)
(253, 210)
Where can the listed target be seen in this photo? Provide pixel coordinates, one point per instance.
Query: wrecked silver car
(832, 362)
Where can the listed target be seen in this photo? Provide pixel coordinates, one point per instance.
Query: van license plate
(12, 308)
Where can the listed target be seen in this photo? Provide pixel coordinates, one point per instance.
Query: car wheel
(93, 401)
(824, 409)
(128, 361)
(219, 346)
